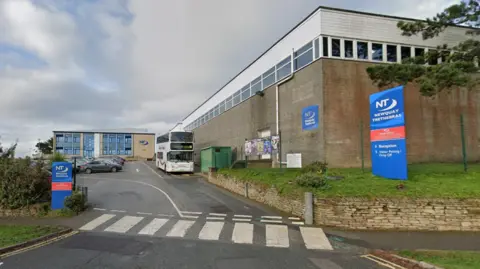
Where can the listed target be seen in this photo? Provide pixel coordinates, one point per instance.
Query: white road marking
(247, 220)
(191, 213)
(121, 211)
(180, 228)
(218, 214)
(215, 218)
(165, 215)
(298, 222)
(1, 263)
(153, 171)
(277, 236)
(293, 218)
(144, 213)
(138, 170)
(270, 221)
(153, 226)
(271, 217)
(243, 233)
(124, 224)
(97, 222)
(315, 238)
(243, 216)
(99, 209)
(211, 230)
(146, 184)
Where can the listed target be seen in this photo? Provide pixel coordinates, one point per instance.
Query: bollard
(85, 193)
(246, 190)
(308, 208)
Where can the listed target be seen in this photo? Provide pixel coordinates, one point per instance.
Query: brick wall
(369, 214)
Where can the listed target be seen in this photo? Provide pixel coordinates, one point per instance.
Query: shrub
(57, 157)
(312, 180)
(315, 167)
(76, 202)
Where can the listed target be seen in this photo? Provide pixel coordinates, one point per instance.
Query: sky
(89, 64)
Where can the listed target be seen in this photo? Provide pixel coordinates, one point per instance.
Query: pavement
(144, 218)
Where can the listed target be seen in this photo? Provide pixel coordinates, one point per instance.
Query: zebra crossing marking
(124, 224)
(277, 236)
(97, 222)
(211, 230)
(153, 226)
(180, 228)
(315, 238)
(243, 233)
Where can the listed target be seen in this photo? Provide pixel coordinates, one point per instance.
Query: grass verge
(425, 181)
(15, 234)
(446, 259)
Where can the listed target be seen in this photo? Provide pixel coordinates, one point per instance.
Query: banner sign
(387, 134)
(310, 118)
(61, 183)
(262, 146)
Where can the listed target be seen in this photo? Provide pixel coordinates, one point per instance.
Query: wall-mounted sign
(61, 183)
(262, 146)
(143, 142)
(310, 118)
(387, 134)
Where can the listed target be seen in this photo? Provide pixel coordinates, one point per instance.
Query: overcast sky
(84, 64)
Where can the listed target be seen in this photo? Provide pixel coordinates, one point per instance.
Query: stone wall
(369, 214)
(33, 210)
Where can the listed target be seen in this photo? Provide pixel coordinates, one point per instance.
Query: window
(303, 59)
(76, 139)
(181, 137)
(236, 98)
(377, 52)
(222, 109)
(316, 44)
(245, 92)
(362, 50)
(433, 57)
(128, 152)
(257, 80)
(419, 52)
(228, 103)
(256, 88)
(76, 151)
(283, 68)
(391, 53)
(268, 79)
(348, 44)
(406, 52)
(215, 111)
(325, 46)
(283, 62)
(303, 49)
(335, 47)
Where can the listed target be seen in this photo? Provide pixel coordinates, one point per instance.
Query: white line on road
(165, 215)
(243, 233)
(97, 222)
(124, 224)
(270, 221)
(211, 230)
(120, 211)
(99, 209)
(153, 171)
(315, 238)
(138, 170)
(191, 213)
(189, 217)
(144, 213)
(293, 218)
(298, 222)
(153, 226)
(247, 220)
(271, 217)
(180, 228)
(242, 216)
(277, 236)
(215, 218)
(218, 214)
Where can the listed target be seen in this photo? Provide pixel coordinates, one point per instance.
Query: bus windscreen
(181, 137)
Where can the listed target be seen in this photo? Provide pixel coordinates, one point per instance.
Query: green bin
(217, 157)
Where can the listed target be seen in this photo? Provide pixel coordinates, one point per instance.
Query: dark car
(120, 160)
(101, 166)
(110, 159)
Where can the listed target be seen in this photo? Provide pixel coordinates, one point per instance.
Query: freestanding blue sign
(387, 134)
(61, 183)
(310, 118)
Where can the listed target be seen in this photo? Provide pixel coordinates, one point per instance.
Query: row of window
(332, 47)
(117, 152)
(117, 144)
(68, 151)
(67, 138)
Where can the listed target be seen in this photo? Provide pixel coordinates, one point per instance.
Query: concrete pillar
(246, 190)
(308, 208)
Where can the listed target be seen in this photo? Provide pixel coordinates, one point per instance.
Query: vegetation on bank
(446, 259)
(15, 234)
(424, 181)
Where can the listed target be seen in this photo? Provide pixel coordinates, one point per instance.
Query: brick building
(323, 61)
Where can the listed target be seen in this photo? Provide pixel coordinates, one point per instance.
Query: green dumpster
(217, 157)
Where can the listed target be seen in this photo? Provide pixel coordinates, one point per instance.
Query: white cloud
(141, 63)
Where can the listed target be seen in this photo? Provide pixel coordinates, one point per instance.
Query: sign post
(310, 118)
(61, 183)
(387, 134)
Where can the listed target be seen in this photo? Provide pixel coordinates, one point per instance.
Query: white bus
(174, 152)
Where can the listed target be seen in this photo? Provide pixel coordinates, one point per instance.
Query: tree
(45, 147)
(459, 63)
(7, 153)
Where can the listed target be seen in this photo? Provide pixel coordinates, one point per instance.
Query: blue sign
(387, 134)
(61, 183)
(310, 118)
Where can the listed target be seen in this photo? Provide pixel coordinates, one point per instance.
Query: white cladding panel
(96, 145)
(304, 33)
(377, 28)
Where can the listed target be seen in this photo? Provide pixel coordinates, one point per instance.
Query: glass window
(77, 151)
(255, 81)
(283, 72)
(268, 80)
(210, 114)
(181, 137)
(316, 43)
(228, 103)
(335, 47)
(283, 62)
(362, 50)
(215, 112)
(433, 57)
(325, 46)
(269, 72)
(303, 49)
(245, 92)
(348, 44)
(377, 52)
(303, 59)
(256, 88)
(236, 99)
(419, 52)
(406, 52)
(392, 53)
(222, 107)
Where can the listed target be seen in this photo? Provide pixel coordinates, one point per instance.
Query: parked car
(110, 159)
(101, 166)
(119, 159)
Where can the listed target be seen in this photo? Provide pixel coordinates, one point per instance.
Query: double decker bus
(174, 151)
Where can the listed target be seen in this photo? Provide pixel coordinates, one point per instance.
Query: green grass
(14, 234)
(446, 259)
(425, 181)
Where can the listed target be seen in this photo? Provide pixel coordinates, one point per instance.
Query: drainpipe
(277, 109)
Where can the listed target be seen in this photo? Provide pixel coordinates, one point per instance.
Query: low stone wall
(369, 214)
(33, 210)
